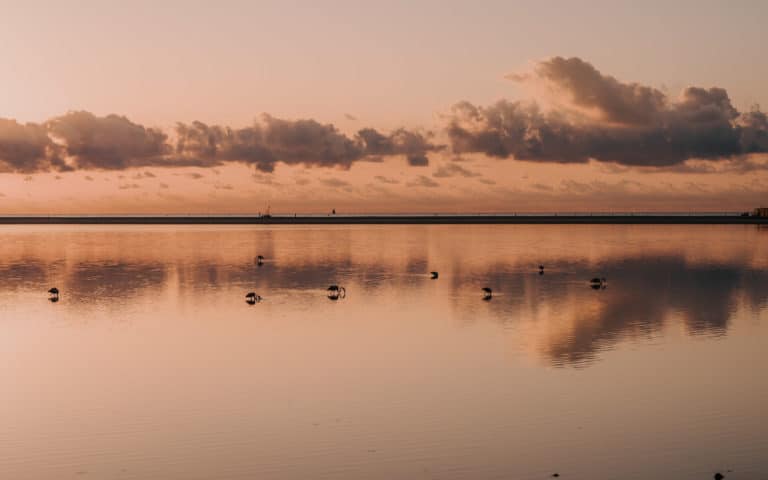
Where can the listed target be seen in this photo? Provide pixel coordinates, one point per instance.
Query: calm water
(152, 366)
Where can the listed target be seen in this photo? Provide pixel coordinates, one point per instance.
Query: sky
(419, 106)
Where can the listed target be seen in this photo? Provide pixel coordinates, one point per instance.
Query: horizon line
(733, 218)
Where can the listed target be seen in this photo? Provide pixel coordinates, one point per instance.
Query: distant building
(760, 212)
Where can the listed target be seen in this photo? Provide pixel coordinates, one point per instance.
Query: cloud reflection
(556, 316)
(573, 323)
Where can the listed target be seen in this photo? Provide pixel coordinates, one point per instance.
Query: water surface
(152, 365)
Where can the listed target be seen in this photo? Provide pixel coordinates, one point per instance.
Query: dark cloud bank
(599, 117)
(607, 120)
(83, 141)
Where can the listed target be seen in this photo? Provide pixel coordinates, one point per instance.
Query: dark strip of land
(384, 220)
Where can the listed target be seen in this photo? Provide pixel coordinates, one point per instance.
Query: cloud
(293, 142)
(599, 117)
(418, 160)
(264, 144)
(740, 164)
(633, 308)
(350, 117)
(266, 179)
(413, 145)
(106, 143)
(612, 100)
(543, 187)
(452, 170)
(83, 141)
(387, 180)
(423, 181)
(336, 183)
(599, 187)
(25, 148)
(590, 116)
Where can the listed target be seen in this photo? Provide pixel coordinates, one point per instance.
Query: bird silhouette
(251, 298)
(487, 293)
(598, 283)
(54, 292)
(260, 260)
(336, 292)
(433, 275)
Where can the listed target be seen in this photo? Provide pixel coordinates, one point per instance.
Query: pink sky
(567, 107)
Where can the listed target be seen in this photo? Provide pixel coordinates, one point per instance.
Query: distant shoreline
(623, 219)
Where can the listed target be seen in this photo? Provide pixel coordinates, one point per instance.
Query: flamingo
(598, 283)
(335, 292)
(433, 275)
(487, 293)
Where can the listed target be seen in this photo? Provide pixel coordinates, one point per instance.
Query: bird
(433, 275)
(487, 293)
(54, 294)
(252, 297)
(541, 269)
(598, 283)
(336, 292)
(260, 260)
